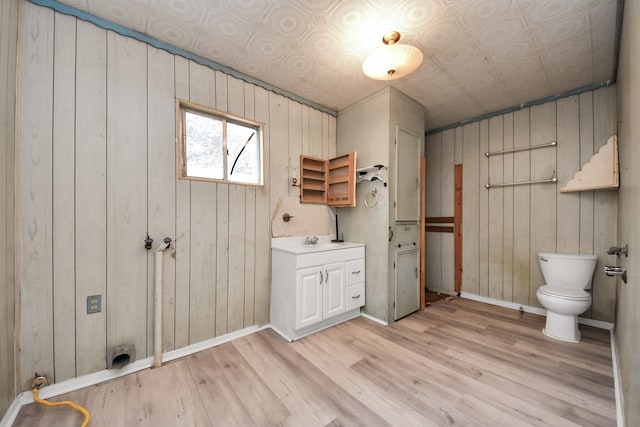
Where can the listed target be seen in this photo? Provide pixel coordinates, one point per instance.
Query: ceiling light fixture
(393, 60)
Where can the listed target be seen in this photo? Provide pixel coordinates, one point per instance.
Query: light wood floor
(459, 362)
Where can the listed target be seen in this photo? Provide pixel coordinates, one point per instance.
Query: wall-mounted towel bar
(553, 179)
(515, 150)
(401, 245)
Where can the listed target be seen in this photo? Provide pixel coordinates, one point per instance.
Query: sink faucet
(311, 240)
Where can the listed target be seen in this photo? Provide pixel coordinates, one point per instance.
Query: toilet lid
(574, 294)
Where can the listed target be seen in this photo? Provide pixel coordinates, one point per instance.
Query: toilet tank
(570, 270)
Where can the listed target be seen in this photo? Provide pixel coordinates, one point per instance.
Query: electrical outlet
(94, 304)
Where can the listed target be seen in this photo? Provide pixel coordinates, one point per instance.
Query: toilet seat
(573, 294)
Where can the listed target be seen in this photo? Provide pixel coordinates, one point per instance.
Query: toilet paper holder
(611, 271)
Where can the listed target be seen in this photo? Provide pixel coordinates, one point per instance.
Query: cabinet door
(308, 296)
(334, 290)
(407, 282)
(407, 182)
(342, 180)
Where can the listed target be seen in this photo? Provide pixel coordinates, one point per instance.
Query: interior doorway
(444, 248)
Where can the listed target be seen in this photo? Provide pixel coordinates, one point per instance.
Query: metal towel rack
(553, 178)
(515, 150)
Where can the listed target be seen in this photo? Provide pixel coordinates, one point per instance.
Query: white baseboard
(11, 414)
(375, 319)
(73, 384)
(535, 310)
(617, 381)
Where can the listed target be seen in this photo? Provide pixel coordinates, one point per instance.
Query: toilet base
(562, 327)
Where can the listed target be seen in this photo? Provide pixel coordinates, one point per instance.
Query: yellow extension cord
(73, 405)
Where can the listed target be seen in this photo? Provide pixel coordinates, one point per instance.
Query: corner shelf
(599, 173)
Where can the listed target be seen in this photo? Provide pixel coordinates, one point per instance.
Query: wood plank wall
(97, 171)
(505, 228)
(8, 57)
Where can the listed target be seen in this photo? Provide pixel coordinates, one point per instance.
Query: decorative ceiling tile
(132, 14)
(479, 55)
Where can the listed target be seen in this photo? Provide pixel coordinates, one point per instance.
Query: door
(309, 296)
(334, 290)
(407, 282)
(407, 182)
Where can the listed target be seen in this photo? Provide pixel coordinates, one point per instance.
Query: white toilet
(564, 294)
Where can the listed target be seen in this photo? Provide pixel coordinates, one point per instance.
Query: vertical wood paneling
(35, 194)
(182, 242)
(433, 241)
(325, 136)
(458, 146)
(203, 267)
(521, 211)
(483, 211)
(496, 208)
(471, 188)
(237, 227)
(9, 19)
(586, 197)
(249, 257)
(586, 151)
(446, 254)
(263, 215)
(295, 143)
(126, 299)
(91, 195)
(64, 315)
(237, 236)
(162, 190)
(332, 136)
(504, 230)
(98, 171)
(447, 162)
(507, 230)
(543, 196)
(568, 165)
(315, 136)
(605, 209)
(306, 131)
(222, 226)
(278, 131)
(250, 227)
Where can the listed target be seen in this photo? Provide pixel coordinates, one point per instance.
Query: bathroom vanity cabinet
(315, 286)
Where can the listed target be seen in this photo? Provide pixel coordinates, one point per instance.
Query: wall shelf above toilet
(599, 173)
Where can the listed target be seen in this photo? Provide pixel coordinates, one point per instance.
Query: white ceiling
(480, 55)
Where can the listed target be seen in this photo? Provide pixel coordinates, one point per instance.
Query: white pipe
(157, 324)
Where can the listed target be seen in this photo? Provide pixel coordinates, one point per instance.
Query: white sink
(296, 245)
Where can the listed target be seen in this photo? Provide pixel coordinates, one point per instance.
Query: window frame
(182, 107)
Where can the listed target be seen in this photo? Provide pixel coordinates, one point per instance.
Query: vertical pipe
(157, 324)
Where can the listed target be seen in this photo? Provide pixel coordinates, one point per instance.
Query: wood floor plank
(459, 362)
(230, 387)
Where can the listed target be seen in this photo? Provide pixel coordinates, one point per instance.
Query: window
(217, 146)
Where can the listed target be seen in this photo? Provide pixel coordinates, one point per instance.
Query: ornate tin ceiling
(480, 56)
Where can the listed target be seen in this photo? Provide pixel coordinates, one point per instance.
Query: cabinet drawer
(355, 296)
(355, 271)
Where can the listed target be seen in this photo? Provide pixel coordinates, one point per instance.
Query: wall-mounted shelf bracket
(372, 173)
(599, 173)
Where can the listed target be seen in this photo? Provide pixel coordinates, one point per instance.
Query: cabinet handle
(356, 296)
(326, 276)
(321, 277)
(355, 272)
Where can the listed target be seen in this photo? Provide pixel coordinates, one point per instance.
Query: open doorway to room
(443, 239)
